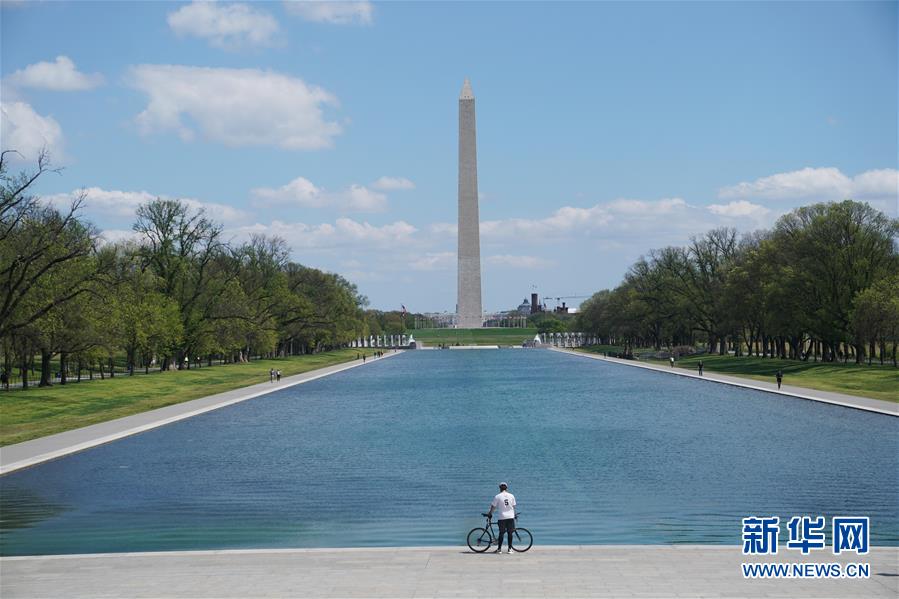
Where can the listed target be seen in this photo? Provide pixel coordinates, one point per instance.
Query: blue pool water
(408, 451)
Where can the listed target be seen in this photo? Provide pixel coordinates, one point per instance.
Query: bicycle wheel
(479, 540)
(523, 540)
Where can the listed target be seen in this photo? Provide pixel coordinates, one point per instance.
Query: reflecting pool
(408, 451)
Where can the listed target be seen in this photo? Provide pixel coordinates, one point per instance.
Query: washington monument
(468, 307)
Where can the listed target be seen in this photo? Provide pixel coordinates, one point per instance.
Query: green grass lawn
(434, 337)
(42, 411)
(878, 382)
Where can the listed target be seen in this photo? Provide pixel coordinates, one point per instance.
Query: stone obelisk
(468, 307)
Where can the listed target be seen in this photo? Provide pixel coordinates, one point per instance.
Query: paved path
(29, 453)
(840, 399)
(589, 571)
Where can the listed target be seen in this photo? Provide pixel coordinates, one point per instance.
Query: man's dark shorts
(506, 525)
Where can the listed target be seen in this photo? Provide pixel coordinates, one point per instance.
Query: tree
(335, 308)
(548, 323)
(875, 316)
(263, 286)
(594, 317)
(146, 322)
(184, 249)
(45, 254)
(698, 274)
(832, 252)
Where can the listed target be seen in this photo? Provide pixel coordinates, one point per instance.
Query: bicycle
(480, 539)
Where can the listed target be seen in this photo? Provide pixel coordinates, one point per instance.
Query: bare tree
(43, 251)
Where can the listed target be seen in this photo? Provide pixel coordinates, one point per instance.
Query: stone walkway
(589, 571)
(840, 399)
(29, 453)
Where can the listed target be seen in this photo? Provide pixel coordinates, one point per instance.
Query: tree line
(823, 284)
(179, 294)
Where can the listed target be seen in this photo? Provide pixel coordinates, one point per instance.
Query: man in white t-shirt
(504, 504)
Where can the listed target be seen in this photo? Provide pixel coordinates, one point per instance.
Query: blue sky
(604, 129)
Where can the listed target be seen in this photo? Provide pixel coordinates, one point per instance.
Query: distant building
(525, 307)
(563, 309)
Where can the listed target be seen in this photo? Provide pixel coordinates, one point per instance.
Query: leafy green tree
(788, 293)
(335, 315)
(875, 316)
(697, 275)
(832, 252)
(146, 321)
(185, 250)
(45, 254)
(548, 323)
(595, 317)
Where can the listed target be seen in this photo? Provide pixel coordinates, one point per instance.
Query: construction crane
(565, 297)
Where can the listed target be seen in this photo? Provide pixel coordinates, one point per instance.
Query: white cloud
(345, 232)
(882, 183)
(55, 76)
(302, 192)
(739, 209)
(641, 207)
(237, 107)
(444, 229)
(224, 25)
(818, 184)
(614, 218)
(332, 11)
(398, 231)
(524, 262)
(562, 221)
(119, 204)
(609, 218)
(392, 183)
(434, 261)
(361, 199)
(110, 203)
(27, 132)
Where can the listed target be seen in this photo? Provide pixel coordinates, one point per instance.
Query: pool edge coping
(387, 549)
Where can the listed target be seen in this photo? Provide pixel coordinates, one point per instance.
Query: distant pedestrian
(4, 380)
(671, 360)
(700, 368)
(363, 358)
(278, 375)
(271, 375)
(780, 377)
